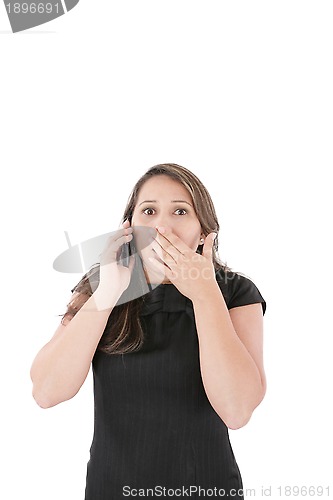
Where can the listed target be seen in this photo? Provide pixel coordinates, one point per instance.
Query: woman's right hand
(114, 277)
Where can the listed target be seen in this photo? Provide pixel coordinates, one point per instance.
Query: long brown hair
(123, 332)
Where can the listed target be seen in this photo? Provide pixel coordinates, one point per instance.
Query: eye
(181, 210)
(146, 210)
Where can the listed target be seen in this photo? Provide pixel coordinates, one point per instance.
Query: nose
(162, 222)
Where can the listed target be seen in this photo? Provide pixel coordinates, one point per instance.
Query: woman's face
(163, 201)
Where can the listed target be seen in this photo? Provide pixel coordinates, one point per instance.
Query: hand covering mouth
(157, 257)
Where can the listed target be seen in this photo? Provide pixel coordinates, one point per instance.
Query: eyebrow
(172, 201)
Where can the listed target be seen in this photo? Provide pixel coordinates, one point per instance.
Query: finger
(207, 250)
(126, 223)
(119, 237)
(165, 251)
(127, 227)
(111, 250)
(169, 240)
(159, 266)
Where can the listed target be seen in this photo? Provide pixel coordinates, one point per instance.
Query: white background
(241, 94)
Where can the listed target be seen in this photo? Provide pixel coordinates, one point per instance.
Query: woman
(174, 367)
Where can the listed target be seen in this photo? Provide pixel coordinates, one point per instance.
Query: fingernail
(161, 229)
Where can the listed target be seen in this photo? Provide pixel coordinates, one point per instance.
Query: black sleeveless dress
(156, 434)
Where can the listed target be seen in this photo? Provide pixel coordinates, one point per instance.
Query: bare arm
(230, 344)
(62, 365)
(231, 360)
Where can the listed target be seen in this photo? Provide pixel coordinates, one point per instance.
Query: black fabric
(154, 425)
(238, 290)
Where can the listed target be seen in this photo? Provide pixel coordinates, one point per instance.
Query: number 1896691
(33, 8)
(311, 491)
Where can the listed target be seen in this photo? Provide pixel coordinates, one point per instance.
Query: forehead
(163, 187)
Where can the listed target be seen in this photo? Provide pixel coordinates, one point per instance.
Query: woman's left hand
(193, 274)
